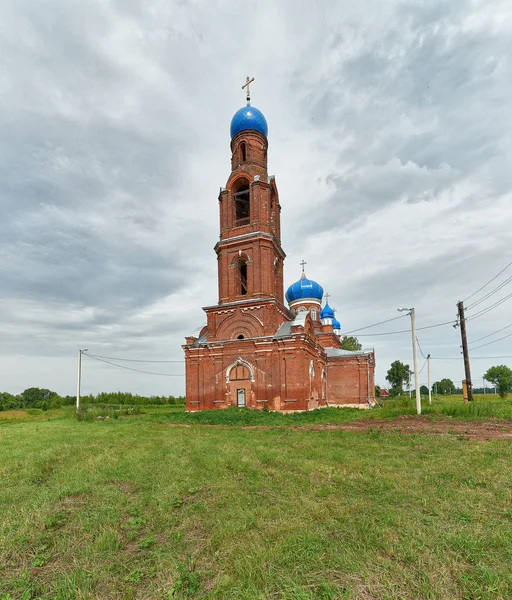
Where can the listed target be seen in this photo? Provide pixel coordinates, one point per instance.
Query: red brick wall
(348, 377)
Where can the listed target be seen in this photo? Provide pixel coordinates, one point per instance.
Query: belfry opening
(256, 351)
(242, 205)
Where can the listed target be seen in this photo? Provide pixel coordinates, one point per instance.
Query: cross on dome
(246, 85)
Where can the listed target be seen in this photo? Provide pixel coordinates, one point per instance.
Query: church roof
(327, 312)
(304, 289)
(338, 352)
(285, 328)
(248, 118)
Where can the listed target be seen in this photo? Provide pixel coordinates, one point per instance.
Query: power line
(490, 334)
(491, 293)
(374, 325)
(134, 359)
(132, 369)
(407, 330)
(490, 281)
(418, 342)
(422, 366)
(472, 358)
(489, 308)
(493, 342)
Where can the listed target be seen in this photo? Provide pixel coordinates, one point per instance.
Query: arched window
(242, 205)
(242, 274)
(240, 337)
(313, 314)
(243, 152)
(239, 372)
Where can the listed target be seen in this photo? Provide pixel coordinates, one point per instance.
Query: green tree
(501, 377)
(39, 398)
(397, 375)
(8, 401)
(423, 390)
(445, 386)
(377, 391)
(350, 343)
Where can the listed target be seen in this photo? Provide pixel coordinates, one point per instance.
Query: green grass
(488, 406)
(483, 407)
(130, 508)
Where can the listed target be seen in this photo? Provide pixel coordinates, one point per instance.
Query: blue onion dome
(327, 312)
(304, 289)
(248, 118)
(336, 324)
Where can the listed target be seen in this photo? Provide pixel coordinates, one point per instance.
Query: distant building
(384, 393)
(254, 351)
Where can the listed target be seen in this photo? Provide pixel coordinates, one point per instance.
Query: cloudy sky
(390, 132)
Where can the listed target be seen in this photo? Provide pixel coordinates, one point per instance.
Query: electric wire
(406, 330)
(133, 359)
(490, 281)
(493, 342)
(418, 342)
(132, 369)
(490, 334)
(489, 308)
(375, 324)
(422, 366)
(491, 293)
(472, 358)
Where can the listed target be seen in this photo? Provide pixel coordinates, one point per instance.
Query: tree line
(399, 375)
(46, 399)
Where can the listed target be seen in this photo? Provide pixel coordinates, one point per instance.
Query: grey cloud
(114, 127)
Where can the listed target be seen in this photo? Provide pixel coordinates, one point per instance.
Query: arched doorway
(239, 378)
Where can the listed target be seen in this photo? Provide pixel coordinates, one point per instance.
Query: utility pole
(483, 379)
(429, 388)
(79, 377)
(414, 357)
(462, 321)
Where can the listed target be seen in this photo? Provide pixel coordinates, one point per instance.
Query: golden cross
(246, 85)
(327, 296)
(302, 265)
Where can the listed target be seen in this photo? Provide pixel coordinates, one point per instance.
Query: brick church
(255, 351)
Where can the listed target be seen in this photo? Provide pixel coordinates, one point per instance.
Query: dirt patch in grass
(125, 487)
(471, 430)
(13, 414)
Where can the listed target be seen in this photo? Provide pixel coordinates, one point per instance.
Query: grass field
(132, 508)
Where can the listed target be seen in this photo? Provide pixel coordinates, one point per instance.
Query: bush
(104, 411)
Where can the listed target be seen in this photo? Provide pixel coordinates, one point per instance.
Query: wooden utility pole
(462, 322)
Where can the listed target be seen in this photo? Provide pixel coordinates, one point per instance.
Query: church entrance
(239, 381)
(240, 398)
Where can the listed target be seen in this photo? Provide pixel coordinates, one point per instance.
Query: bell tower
(249, 252)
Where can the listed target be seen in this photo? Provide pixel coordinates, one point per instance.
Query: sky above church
(390, 136)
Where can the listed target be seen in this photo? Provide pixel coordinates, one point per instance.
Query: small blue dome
(336, 324)
(327, 312)
(250, 118)
(304, 289)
